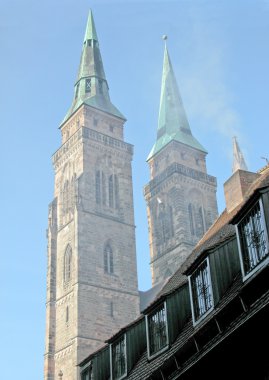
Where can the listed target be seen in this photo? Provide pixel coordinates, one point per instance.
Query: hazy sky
(220, 54)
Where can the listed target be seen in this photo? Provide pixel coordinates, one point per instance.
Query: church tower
(181, 196)
(91, 276)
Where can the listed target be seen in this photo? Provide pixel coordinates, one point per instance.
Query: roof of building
(219, 232)
(222, 229)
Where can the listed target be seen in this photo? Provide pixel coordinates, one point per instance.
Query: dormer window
(252, 240)
(118, 359)
(157, 331)
(201, 291)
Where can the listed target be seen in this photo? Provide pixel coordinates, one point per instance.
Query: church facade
(92, 288)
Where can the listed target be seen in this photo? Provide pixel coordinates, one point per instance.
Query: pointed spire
(91, 87)
(172, 123)
(90, 33)
(239, 162)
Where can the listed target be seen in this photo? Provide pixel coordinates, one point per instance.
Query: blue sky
(220, 54)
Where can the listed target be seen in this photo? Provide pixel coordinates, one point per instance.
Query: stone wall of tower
(181, 206)
(51, 293)
(92, 297)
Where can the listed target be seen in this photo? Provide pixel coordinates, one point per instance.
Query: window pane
(119, 358)
(201, 291)
(252, 239)
(88, 85)
(157, 330)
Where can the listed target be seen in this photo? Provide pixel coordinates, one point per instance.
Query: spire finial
(239, 162)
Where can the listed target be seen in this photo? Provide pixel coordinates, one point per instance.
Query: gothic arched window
(67, 263)
(108, 259)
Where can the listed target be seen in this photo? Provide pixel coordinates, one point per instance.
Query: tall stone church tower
(91, 275)
(181, 196)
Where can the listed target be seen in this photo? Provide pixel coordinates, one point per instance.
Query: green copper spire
(172, 123)
(91, 87)
(90, 33)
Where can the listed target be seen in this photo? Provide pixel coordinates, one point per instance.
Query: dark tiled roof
(219, 232)
(144, 368)
(222, 230)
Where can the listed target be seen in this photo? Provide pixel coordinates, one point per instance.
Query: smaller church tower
(181, 196)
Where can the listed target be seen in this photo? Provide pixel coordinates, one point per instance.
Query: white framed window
(157, 331)
(201, 293)
(118, 358)
(252, 240)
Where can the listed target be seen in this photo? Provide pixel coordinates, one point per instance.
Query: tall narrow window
(65, 204)
(98, 187)
(67, 263)
(157, 331)
(116, 188)
(72, 193)
(118, 359)
(253, 240)
(88, 85)
(77, 89)
(200, 229)
(108, 259)
(190, 211)
(165, 229)
(201, 291)
(67, 314)
(170, 222)
(103, 189)
(162, 227)
(111, 191)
